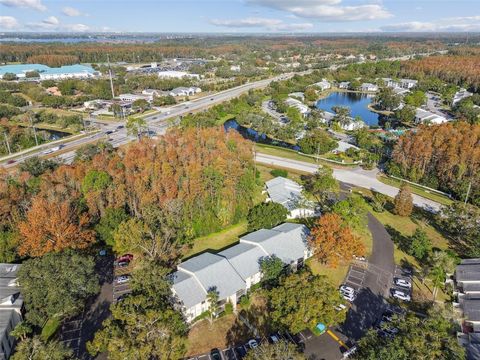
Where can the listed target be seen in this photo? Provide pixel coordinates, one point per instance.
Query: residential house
(460, 95)
(235, 68)
(231, 272)
(185, 91)
(466, 281)
(151, 93)
(298, 95)
(369, 87)
(134, 97)
(344, 85)
(426, 117)
(400, 91)
(352, 125)
(297, 104)
(343, 146)
(323, 85)
(407, 83)
(11, 307)
(288, 193)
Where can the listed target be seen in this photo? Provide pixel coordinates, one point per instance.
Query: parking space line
(336, 338)
(355, 280)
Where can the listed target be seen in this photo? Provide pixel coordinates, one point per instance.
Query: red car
(125, 258)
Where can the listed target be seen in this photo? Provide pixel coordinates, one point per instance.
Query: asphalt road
(357, 177)
(156, 122)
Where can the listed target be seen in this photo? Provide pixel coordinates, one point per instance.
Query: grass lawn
(442, 199)
(204, 336)
(218, 240)
(336, 275)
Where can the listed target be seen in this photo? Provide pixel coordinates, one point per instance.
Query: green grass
(50, 328)
(336, 275)
(442, 199)
(218, 240)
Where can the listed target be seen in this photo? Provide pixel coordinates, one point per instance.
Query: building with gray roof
(234, 270)
(11, 306)
(288, 193)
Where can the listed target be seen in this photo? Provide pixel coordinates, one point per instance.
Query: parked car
(388, 315)
(360, 258)
(403, 283)
(241, 352)
(122, 279)
(401, 295)
(125, 257)
(407, 271)
(349, 297)
(347, 289)
(123, 264)
(340, 307)
(215, 354)
(252, 344)
(274, 338)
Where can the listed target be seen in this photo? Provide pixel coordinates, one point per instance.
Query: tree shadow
(368, 309)
(398, 238)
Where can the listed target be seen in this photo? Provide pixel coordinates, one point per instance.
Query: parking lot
(356, 275)
(401, 274)
(120, 289)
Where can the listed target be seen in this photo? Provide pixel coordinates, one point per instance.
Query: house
(151, 93)
(231, 272)
(466, 284)
(369, 87)
(352, 125)
(344, 85)
(460, 95)
(134, 97)
(11, 307)
(343, 146)
(235, 68)
(177, 74)
(297, 104)
(299, 95)
(408, 83)
(185, 91)
(400, 91)
(426, 117)
(323, 85)
(288, 193)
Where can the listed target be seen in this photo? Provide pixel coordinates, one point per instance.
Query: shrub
(279, 172)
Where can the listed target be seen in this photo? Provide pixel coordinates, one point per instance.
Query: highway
(358, 177)
(116, 133)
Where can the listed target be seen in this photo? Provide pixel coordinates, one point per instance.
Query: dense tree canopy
(444, 156)
(303, 300)
(56, 284)
(266, 215)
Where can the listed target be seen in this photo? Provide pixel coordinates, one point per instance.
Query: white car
(350, 352)
(349, 297)
(252, 344)
(340, 307)
(403, 283)
(347, 289)
(401, 295)
(122, 279)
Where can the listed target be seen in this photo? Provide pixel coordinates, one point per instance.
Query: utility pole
(254, 160)
(33, 127)
(468, 191)
(110, 74)
(8, 145)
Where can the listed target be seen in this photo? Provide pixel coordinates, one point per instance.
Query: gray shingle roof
(471, 309)
(285, 192)
(214, 272)
(287, 241)
(187, 288)
(245, 258)
(468, 272)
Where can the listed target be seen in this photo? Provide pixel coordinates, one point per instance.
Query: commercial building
(11, 306)
(134, 97)
(47, 73)
(288, 193)
(177, 74)
(231, 272)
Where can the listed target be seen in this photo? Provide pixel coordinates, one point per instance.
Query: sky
(240, 16)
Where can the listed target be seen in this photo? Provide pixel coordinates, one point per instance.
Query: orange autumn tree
(52, 226)
(332, 240)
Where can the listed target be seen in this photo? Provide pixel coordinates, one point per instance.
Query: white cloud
(76, 27)
(70, 11)
(458, 24)
(8, 22)
(27, 4)
(327, 10)
(263, 23)
(51, 20)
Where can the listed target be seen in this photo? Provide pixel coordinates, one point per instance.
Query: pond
(358, 104)
(255, 136)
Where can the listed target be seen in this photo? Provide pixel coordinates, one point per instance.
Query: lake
(358, 104)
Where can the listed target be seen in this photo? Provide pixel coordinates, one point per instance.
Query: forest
(446, 157)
